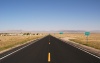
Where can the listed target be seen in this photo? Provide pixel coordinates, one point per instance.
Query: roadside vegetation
(11, 41)
(93, 39)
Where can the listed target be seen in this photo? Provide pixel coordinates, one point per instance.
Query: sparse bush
(26, 34)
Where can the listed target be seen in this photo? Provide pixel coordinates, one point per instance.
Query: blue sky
(49, 15)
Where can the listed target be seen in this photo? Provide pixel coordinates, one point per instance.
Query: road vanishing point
(47, 50)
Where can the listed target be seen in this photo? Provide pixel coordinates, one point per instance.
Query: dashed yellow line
(49, 42)
(49, 57)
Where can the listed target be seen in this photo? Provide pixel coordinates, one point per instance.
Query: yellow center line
(49, 57)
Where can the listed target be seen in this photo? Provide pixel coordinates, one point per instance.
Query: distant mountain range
(53, 31)
(13, 31)
(21, 31)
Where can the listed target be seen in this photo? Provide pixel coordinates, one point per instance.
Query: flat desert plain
(93, 38)
(11, 41)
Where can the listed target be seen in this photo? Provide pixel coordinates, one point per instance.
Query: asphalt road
(59, 52)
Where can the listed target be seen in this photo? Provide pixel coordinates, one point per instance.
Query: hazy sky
(49, 15)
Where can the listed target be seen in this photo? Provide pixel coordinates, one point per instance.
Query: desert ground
(93, 38)
(11, 41)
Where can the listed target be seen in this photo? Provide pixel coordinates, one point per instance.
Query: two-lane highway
(50, 50)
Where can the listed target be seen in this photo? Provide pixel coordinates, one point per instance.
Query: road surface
(50, 50)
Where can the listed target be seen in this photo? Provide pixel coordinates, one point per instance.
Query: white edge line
(84, 50)
(15, 51)
(19, 49)
(81, 49)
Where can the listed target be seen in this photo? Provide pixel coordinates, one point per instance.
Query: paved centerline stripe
(49, 57)
(49, 43)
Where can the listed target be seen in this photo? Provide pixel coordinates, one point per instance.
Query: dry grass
(10, 41)
(93, 39)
